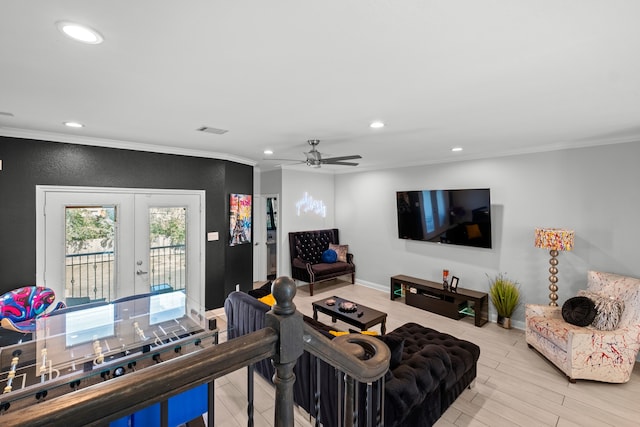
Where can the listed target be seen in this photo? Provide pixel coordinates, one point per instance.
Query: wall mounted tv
(459, 217)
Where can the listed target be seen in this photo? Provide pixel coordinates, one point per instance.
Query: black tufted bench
(440, 365)
(306, 248)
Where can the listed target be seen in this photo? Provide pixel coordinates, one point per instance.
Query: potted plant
(505, 296)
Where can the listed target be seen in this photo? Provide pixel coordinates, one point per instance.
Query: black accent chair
(306, 248)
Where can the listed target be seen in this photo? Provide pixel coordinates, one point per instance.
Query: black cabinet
(432, 297)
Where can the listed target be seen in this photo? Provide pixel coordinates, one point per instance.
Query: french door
(102, 244)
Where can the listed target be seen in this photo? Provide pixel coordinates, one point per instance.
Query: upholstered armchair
(585, 352)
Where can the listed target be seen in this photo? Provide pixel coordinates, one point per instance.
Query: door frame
(260, 252)
(42, 190)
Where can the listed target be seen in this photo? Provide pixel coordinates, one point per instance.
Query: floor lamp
(554, 239)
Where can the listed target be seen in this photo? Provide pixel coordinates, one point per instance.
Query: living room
(552, 164)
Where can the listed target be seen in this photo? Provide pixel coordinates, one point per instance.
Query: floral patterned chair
(585, 352)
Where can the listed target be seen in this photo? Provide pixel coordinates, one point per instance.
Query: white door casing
(132, 235)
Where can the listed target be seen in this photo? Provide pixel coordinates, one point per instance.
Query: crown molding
(124, 145)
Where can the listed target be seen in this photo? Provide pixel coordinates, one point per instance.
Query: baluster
(317, 393)
(250, 370)
(340, 405)
(369, 404)
(284, 318)
(95, 276)
(73, 280)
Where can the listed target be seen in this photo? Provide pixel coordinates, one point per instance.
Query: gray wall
(591, 190)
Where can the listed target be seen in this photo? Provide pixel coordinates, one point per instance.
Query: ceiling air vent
(212, 130)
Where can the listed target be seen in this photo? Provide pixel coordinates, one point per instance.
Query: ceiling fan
(315, 159)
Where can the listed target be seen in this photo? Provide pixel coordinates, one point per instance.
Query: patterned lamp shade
(555, 239)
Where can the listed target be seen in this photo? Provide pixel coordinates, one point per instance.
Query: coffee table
(363, 317)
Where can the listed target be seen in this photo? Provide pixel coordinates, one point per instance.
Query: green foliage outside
(97, 224)
(89, 224)
(167, 224)
(504, 294)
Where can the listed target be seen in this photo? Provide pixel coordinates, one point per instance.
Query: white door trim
(43, 190)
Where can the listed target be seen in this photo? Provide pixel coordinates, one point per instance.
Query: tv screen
(458, 217)
(166, 306)
(89, 324)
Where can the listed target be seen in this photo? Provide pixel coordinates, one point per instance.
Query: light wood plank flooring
(515, 386)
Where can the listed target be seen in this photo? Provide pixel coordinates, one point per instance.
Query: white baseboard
(376, 286)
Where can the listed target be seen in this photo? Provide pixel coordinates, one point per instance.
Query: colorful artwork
(239, 219)
(20, 307)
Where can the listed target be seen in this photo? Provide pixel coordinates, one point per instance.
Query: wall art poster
(239, 219)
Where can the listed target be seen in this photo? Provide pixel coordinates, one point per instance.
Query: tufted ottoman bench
(434, 370)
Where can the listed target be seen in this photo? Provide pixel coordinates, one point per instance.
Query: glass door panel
(90, 240)
(167, 249)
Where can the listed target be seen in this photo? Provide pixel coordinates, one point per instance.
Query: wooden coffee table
(363, 317)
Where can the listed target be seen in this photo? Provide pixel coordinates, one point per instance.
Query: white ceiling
(495, 77)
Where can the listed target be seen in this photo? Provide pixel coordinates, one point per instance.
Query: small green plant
(505, 295)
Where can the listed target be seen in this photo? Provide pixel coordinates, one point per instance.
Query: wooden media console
(431, 296)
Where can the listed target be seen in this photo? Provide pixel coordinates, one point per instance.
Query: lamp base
(553, 287)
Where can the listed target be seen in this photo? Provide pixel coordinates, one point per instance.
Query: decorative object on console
(454, 284)
(554, 239)
(445, 282)
(505, 296)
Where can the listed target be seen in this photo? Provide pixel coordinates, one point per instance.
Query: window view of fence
(90, 252)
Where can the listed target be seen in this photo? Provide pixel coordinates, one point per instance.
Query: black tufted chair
(306, 248)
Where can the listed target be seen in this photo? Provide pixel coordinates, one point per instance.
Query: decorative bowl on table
(348, 306)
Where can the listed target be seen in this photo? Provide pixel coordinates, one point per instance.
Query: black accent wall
(27, 163)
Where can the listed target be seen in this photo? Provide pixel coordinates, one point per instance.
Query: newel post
(284, 318)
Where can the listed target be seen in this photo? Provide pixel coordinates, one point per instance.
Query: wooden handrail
(101, 403)
(346, 353)
(360, 357)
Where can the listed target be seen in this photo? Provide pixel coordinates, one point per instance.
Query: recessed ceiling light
(268, 152)
(79, 32)
(456, 149)
(376, 125)
(73, 124)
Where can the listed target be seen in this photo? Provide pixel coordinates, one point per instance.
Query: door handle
(140, 272)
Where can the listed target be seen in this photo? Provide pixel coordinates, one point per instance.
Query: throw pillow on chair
(329, 256)
(579, 311)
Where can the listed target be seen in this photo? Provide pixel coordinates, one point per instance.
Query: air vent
(212, 130)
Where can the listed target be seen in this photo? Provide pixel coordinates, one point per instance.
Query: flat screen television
(458, 217)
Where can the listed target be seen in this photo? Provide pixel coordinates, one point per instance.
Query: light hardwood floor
(515, 386)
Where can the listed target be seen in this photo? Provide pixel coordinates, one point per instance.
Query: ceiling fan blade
(337, 162)
(284, 160)
(331, 159)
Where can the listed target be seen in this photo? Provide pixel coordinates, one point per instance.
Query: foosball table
(77, 347)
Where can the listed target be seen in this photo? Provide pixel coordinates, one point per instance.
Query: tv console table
(432, 297)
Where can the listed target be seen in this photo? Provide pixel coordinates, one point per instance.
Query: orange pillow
(268, 299)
